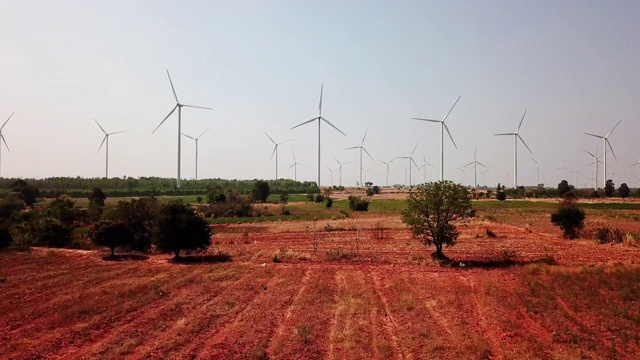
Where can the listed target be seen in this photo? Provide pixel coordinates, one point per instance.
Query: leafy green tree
(29, 193)
(432, 211)
(97, 197)
(624, 190)
(52, 232)
(111, 234)
(261, 191)
(178, 229)
(139, 216)
(62, 209)
(284, 197)
(609, 188)
(563, 188)
(569, 217)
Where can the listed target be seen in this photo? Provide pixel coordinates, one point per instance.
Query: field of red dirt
(356, 288)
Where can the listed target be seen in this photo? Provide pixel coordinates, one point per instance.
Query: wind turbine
(595, 162)
(576, 171)
(361, 147)
(405, 175)
(365, 174)
(410, 157)
(424, 165)
(178, 106)
(483, 179)
(538, 168)
(638, 165)
(196, 140)
(475, 164)
(320, 120)
(563, 170)
(606, 142)
(105, 139)
(294, 166)
(443, 126)
(463, 174)
(275, 150)
(387, 165)
(331, 171)
(3, 140)
(516, 136)
(340, 168)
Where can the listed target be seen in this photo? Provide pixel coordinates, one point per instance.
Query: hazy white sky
(572, 64)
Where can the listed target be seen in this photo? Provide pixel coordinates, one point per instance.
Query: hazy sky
(574, 65)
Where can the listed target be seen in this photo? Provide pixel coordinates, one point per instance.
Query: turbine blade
(504, 134)
(534, 160)
(365, 150)
(436, 121)
(481, 164)
(286, 141)
(5, 142)
(292, 165)
(274, 152)
(165, 119)
(598, 136)
(589, 153)
(306, 122)
(5, 123)
(94, 119)
(197, 107)
(353, 147)
(338, 161)
(386, 163)
(521, 120)
(203, 133)
(414, 163)
(192, 138)
(414, 149)
(525, 144)
(454, 105)
(614, 128)
(116, 132)
(365, 136)
(448, 132)
(320, 104)
(269, 137)
(471, 163)
(172, 88)
(611, 148)
(333, 126)
(102, 143)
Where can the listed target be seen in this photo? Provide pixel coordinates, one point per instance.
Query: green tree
(569, 217)
(29, 193)
(609, 188)
(139, 216)
(111, 234)
(284, 197)
(261, 191)
(624, 190)
(178, 229)
(563, 188)
(432, 211)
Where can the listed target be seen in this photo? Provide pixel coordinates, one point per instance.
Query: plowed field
(357, 288)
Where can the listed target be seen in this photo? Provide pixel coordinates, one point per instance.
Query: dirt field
(367, 290)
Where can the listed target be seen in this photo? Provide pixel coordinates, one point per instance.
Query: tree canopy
(178, 229)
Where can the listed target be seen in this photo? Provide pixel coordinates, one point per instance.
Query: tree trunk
(113, 251)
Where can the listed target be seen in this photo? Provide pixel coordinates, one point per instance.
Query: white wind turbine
(178, 106)
(365, 173)
(387, 165)
(410, 157)
(463, 174)
(405, 174)
(563, 168)
(475, 164)
(605, 139)
(424, 166)
(538, 168)
(595, 162)
(638, 165)
(3, 140)
(516, 136)
(576, 171)
(340, 168)
(331, 171)
(294, 166)
(361, 147)
(320, 120)
(196, 140)
(275, 150)
(105, 139)
(443, 127)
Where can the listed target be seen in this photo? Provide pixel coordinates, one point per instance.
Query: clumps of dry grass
(283, 255)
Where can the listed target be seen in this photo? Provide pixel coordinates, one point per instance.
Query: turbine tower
(595, 162)
(294, 166)
(275, 151)
(516, 136)
(443, 126)
(475, 164)
(463, 174)
(3, 140)
(105, 139)
(424, 166)
(538, 168)
(361, 147)
(606, 142)
(196, 140)
(563, 170)
(410, 157)
(320, 120)
(178, 106)
(331, 171)
(387, 165)
(576, 171)
(340, 168)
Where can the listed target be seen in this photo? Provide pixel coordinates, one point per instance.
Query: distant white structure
(105, 139)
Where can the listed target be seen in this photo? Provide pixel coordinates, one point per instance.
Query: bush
(357, 203)
(609, 188)
(595, 194)
(178, 228)
(329, 203)
(500, 195)
(624, 190)
(5, 238)
(52, 232)
(111, 234)
(607, 235)
(370, 192)
(569, 218)
(376, 189)
(319, 198)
